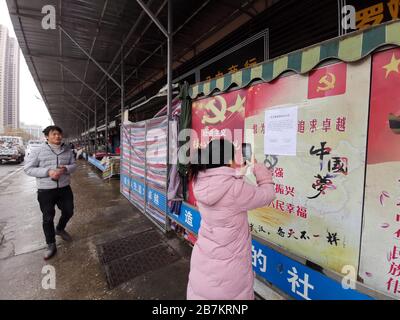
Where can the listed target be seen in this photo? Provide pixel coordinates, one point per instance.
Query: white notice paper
(280, 137)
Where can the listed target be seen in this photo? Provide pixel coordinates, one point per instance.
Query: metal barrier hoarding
(144, 167)
(125, 161)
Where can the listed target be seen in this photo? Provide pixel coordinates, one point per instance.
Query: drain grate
(126, 246)
(121, 270)
(129, 257)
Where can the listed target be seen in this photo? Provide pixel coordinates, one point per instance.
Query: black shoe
(64, 235)
(50, 251)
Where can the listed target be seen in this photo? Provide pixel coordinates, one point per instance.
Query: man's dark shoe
(50, 251)
(64, 235)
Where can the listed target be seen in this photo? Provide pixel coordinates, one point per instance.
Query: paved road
(102, 215)
(7, 170)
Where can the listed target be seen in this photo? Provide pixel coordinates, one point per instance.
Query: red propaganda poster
(384, 124)
(266, 95)
(319, 174)
(328, 81)
(217, 117)
(380, 251)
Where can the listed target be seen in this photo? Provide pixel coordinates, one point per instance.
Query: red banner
(384, 123)
(328, 81)
(218, 117)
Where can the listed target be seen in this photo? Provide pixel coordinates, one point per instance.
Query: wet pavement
(102, 215)
(8, 169)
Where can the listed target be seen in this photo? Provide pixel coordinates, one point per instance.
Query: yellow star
(392, 66)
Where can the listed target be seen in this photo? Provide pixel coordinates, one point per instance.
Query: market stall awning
(349, 48)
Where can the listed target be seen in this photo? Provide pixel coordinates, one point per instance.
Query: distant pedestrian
(72, 147)
(52, 164)
(220, 266)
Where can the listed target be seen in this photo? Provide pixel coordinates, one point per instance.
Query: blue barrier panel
(296, 279)
(125, 185)
(96, 163)
(188, 218)
(137, 187)
(290, 276)
(157, 199)
(125, 180)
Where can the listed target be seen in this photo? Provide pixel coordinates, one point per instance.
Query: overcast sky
(32, 110)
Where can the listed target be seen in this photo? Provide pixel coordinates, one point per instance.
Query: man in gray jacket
(52, 165)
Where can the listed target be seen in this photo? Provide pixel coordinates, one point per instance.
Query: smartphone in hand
(246, 152)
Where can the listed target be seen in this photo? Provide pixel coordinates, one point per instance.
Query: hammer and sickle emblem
(238, 106)
(219, 114)
(270, 161)
(328, 82)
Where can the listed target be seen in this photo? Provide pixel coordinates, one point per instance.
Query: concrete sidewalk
(102, 214)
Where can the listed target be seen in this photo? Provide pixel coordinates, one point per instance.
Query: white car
(11, 148)
(32, 144)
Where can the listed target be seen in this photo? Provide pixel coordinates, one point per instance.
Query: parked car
(11, 148)
(33, 144)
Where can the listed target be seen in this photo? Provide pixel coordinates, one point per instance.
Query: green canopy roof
(350, 48)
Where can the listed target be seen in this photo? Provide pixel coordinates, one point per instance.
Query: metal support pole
(79, 100)
(82, 138)
(169, 99)
(122, 99)
(106, 119)
(122, 85)
(87, 134)
(89, 56)
(169, 77)
(76, 109)
(83, 120)
(83, 82)
(153, 17)
(169, 64)
(77, 116)
(95, 125)
(90, 136)
(87, 137)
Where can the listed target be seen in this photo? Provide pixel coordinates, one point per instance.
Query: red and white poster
(221, 116)
(380, 251)
(317, 213)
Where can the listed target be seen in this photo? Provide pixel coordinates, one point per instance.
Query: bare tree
(17, 132)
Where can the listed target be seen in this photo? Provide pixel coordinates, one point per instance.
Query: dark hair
(218, 153)
(51, 128)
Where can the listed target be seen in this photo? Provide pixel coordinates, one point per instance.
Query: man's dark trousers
(64, 199)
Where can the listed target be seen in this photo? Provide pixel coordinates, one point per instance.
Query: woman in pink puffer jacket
(220, 267)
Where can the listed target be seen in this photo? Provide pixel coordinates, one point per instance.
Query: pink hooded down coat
(221, 264)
